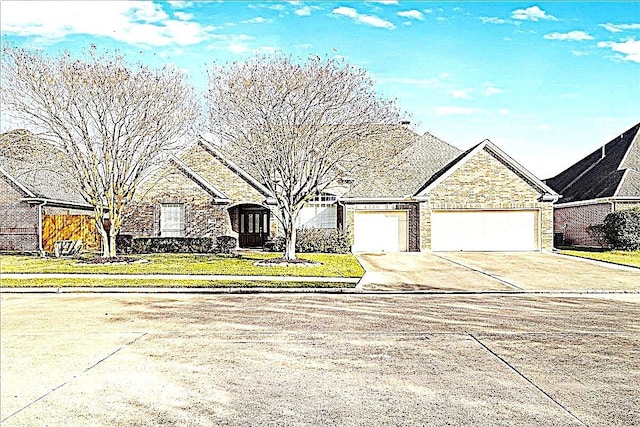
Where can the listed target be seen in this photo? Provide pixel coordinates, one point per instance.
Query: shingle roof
(597, 176)
(36, 165)
(407, 171)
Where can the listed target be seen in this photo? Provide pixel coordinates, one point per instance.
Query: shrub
(143, 245)
(622, 229)
(124, 243)
(319, 240)
(226, 244)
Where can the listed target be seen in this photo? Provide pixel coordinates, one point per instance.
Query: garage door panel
(484, 230)
(380, 231)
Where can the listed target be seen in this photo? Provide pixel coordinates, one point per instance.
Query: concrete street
(494, 357)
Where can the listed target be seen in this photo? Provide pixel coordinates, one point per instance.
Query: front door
(254, 227)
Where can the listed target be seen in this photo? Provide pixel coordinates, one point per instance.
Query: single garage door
(380, 231)
(514, 230)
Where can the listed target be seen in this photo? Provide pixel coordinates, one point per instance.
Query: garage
(380, 231)
(478, 230)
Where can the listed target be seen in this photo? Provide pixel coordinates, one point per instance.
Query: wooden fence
(69, 227)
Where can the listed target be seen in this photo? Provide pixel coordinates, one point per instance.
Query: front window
(319, 212)
(172, 220)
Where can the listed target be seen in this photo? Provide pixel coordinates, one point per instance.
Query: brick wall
(413, 219)
(18, 220)
(574, 220)
(202, 216)
(484, 182)
(169, 185)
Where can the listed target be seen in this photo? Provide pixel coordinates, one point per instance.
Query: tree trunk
(105, 242)
(290, 241)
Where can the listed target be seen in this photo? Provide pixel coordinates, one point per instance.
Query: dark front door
(254, 227)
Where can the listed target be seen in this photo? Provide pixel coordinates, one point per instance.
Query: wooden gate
(70, 227)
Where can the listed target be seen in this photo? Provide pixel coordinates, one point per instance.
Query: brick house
(432, 197)
(605, 181)
(37, 203)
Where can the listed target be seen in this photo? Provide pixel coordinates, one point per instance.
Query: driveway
(492, 271)
(310, 360)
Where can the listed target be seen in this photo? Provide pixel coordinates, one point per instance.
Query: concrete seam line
(521, 375)
(481, 272)
(66, 382)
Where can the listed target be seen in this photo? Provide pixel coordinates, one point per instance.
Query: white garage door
(484, 231)
(380, 231)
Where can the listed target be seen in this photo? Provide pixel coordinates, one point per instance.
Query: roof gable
(600, 174)
(546, 192)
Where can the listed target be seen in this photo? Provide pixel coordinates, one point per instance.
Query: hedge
(622, 229)
(127, 244)
(315, 240)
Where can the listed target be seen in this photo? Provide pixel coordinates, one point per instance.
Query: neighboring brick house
(605, 181)
(37, 201)
(430, 197)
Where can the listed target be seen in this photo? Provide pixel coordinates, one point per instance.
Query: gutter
(40, 245)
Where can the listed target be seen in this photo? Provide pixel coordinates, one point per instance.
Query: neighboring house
(431, 197)
(605, 181)
(37, 203)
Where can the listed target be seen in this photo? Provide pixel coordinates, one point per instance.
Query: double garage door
(509, 230)
(461, 230)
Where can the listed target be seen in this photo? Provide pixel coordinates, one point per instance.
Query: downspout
(40, 245)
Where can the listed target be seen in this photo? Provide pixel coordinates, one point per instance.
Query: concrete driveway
(318, 360)
(493, 271)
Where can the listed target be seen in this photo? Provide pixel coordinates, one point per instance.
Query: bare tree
(112, 120)
(300, 126)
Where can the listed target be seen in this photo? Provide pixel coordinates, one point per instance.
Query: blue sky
(548, 82)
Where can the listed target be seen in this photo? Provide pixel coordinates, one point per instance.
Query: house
(432, 197)
(605, 181)
(38, 205)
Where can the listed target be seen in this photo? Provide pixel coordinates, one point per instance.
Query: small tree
(622, 229)
(300, 126)
(112, 120)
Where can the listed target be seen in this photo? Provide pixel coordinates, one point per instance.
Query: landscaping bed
(330, 265)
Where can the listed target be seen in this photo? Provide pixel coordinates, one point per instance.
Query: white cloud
(411, 14)
(180, 4)
(579, 53)
(492, 20)
(571, 36)
(238, 48)
(490, 89)
(503, 111)
(303, 11)
(618, 28)
(630, 49)
(461, 93)
(544, 127)
(386, 2)
(183, 16)
(256, 20)
(533, 13)
(139, 23)
(456, 111)
(363, 19)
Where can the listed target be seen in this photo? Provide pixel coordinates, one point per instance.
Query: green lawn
(162, 283)
(630, 258)
(332, 265)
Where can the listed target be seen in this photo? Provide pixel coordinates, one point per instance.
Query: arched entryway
(252, 222)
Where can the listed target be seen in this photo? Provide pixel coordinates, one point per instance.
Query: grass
(332, 265)
(630, 258)
(163, 283)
